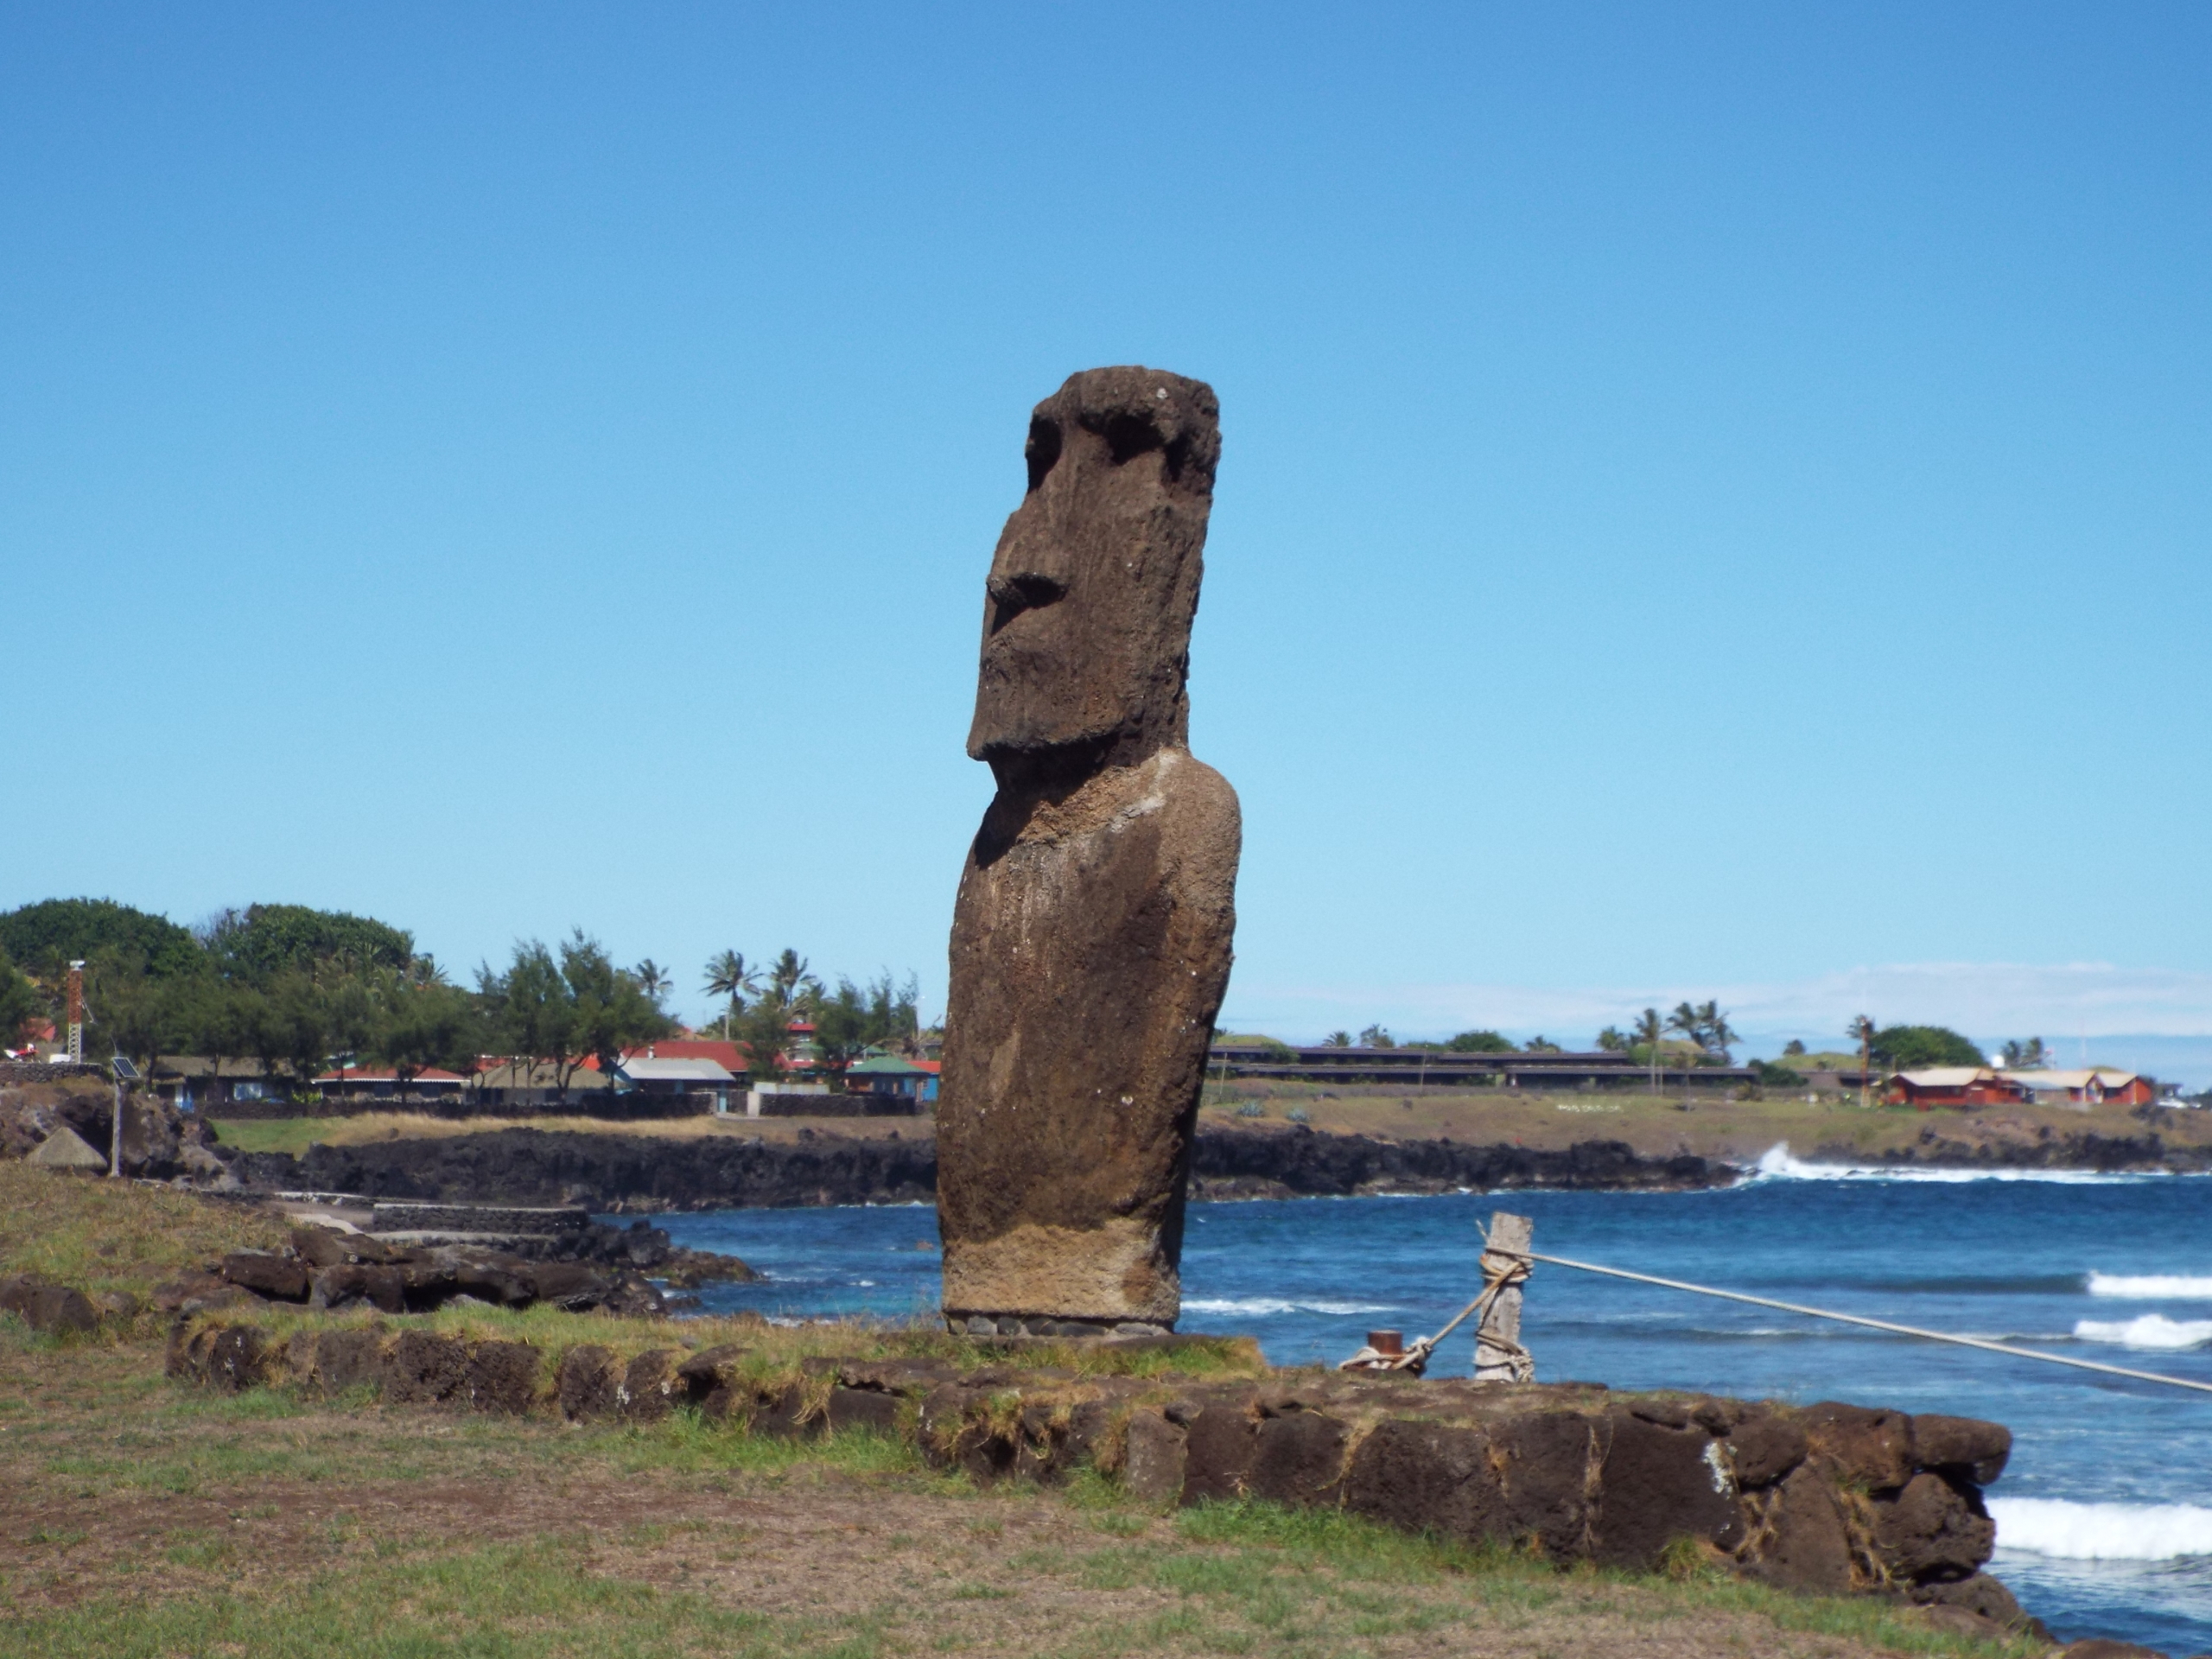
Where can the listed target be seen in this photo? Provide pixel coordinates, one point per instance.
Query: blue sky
(1715, 498)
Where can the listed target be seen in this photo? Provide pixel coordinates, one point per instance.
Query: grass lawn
(143, 1516)
(139, 1517)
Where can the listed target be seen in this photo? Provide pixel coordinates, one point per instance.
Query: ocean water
(2105, 1514)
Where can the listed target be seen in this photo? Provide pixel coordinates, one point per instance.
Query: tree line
(296, 990)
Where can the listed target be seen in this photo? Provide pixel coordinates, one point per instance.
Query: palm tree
(1649, 1030)
(653, 980)
(1862, 1027)
(1338, 1039)
(1717, 1033)
(790, 976)
(727, 975)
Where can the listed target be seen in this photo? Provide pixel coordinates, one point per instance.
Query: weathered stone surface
(1421, 1475)
(49, 1308)
(1979, 1595)
(503, 1377)
(351, 1284)
(1808, 1548)
(589, 1384)
(1544, 1467)
(1974, 1448)
(424, 1369)
(1153, 1460)
(651, 1387)
(710, 1370)
(348, 1359)
(1299, 1458)
(272, 1277)
(1933, 1529)
(1873, 1447)
(1765, 1446)
(861, 1408)
(1660, 1483)
(1090, 940)
(237, 1358)
(1219, 1442)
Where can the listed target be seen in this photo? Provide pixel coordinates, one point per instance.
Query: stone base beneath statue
(1036, 1325)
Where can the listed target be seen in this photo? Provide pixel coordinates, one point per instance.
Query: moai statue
(1090, 943)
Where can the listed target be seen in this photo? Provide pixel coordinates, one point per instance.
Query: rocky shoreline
(615, 1173)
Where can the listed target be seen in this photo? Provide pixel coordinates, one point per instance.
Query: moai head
(1087, 613)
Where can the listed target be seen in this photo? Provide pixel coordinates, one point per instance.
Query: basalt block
(1091, 939)
(589, 1384)
(503, 1377)
(424, 1369)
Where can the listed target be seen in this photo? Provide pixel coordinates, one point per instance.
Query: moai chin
(1090, 943)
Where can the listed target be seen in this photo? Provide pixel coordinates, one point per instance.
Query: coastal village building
(2097, 1086)
(382, 1082)
(891, 1076)
(1953, 1085)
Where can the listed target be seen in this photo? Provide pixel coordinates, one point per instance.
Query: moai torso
(1090, 943)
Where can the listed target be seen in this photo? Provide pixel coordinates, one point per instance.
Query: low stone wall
(1830, 1498)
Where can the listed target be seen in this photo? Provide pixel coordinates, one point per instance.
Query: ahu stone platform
(1830, 1498)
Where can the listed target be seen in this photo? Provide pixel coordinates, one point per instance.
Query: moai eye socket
(1043, 448)
(1012, 595)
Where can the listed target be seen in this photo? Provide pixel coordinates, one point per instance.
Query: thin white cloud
(2073, 1000)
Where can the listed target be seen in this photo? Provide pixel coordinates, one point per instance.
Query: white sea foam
(2102, 1532)
(2146, 1331)
(1777, 1164)
(2146, 1286)
(1261, 1306)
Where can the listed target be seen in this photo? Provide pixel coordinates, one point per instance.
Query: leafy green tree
(612, 1011)
(20, 1002)
(429, 1024)
(727, 975)
(1909, 1048)
(1612, 1040)
(2030, 1056)
(216, 1020)
(1480, 1042)
(531, 1010)
(1541, 1045)
(134, 1013)
(46, 936)
(263, 941)
(1793, 1048)
(1376, 1037)
(853, 1019)
(1777, 1076)
(293, 1030)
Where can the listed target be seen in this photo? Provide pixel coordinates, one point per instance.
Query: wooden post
(1503, 1360)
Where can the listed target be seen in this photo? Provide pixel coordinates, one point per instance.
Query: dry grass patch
(102, 1235)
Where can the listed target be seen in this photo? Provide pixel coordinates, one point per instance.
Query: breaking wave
(1261, 1306)
(2147, 1330)
(2102, 1532)
(2147, 1286)
(1777, 1164)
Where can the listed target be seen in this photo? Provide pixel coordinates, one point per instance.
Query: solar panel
(124, 1071)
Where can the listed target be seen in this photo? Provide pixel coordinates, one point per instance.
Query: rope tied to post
(1502, 1270)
